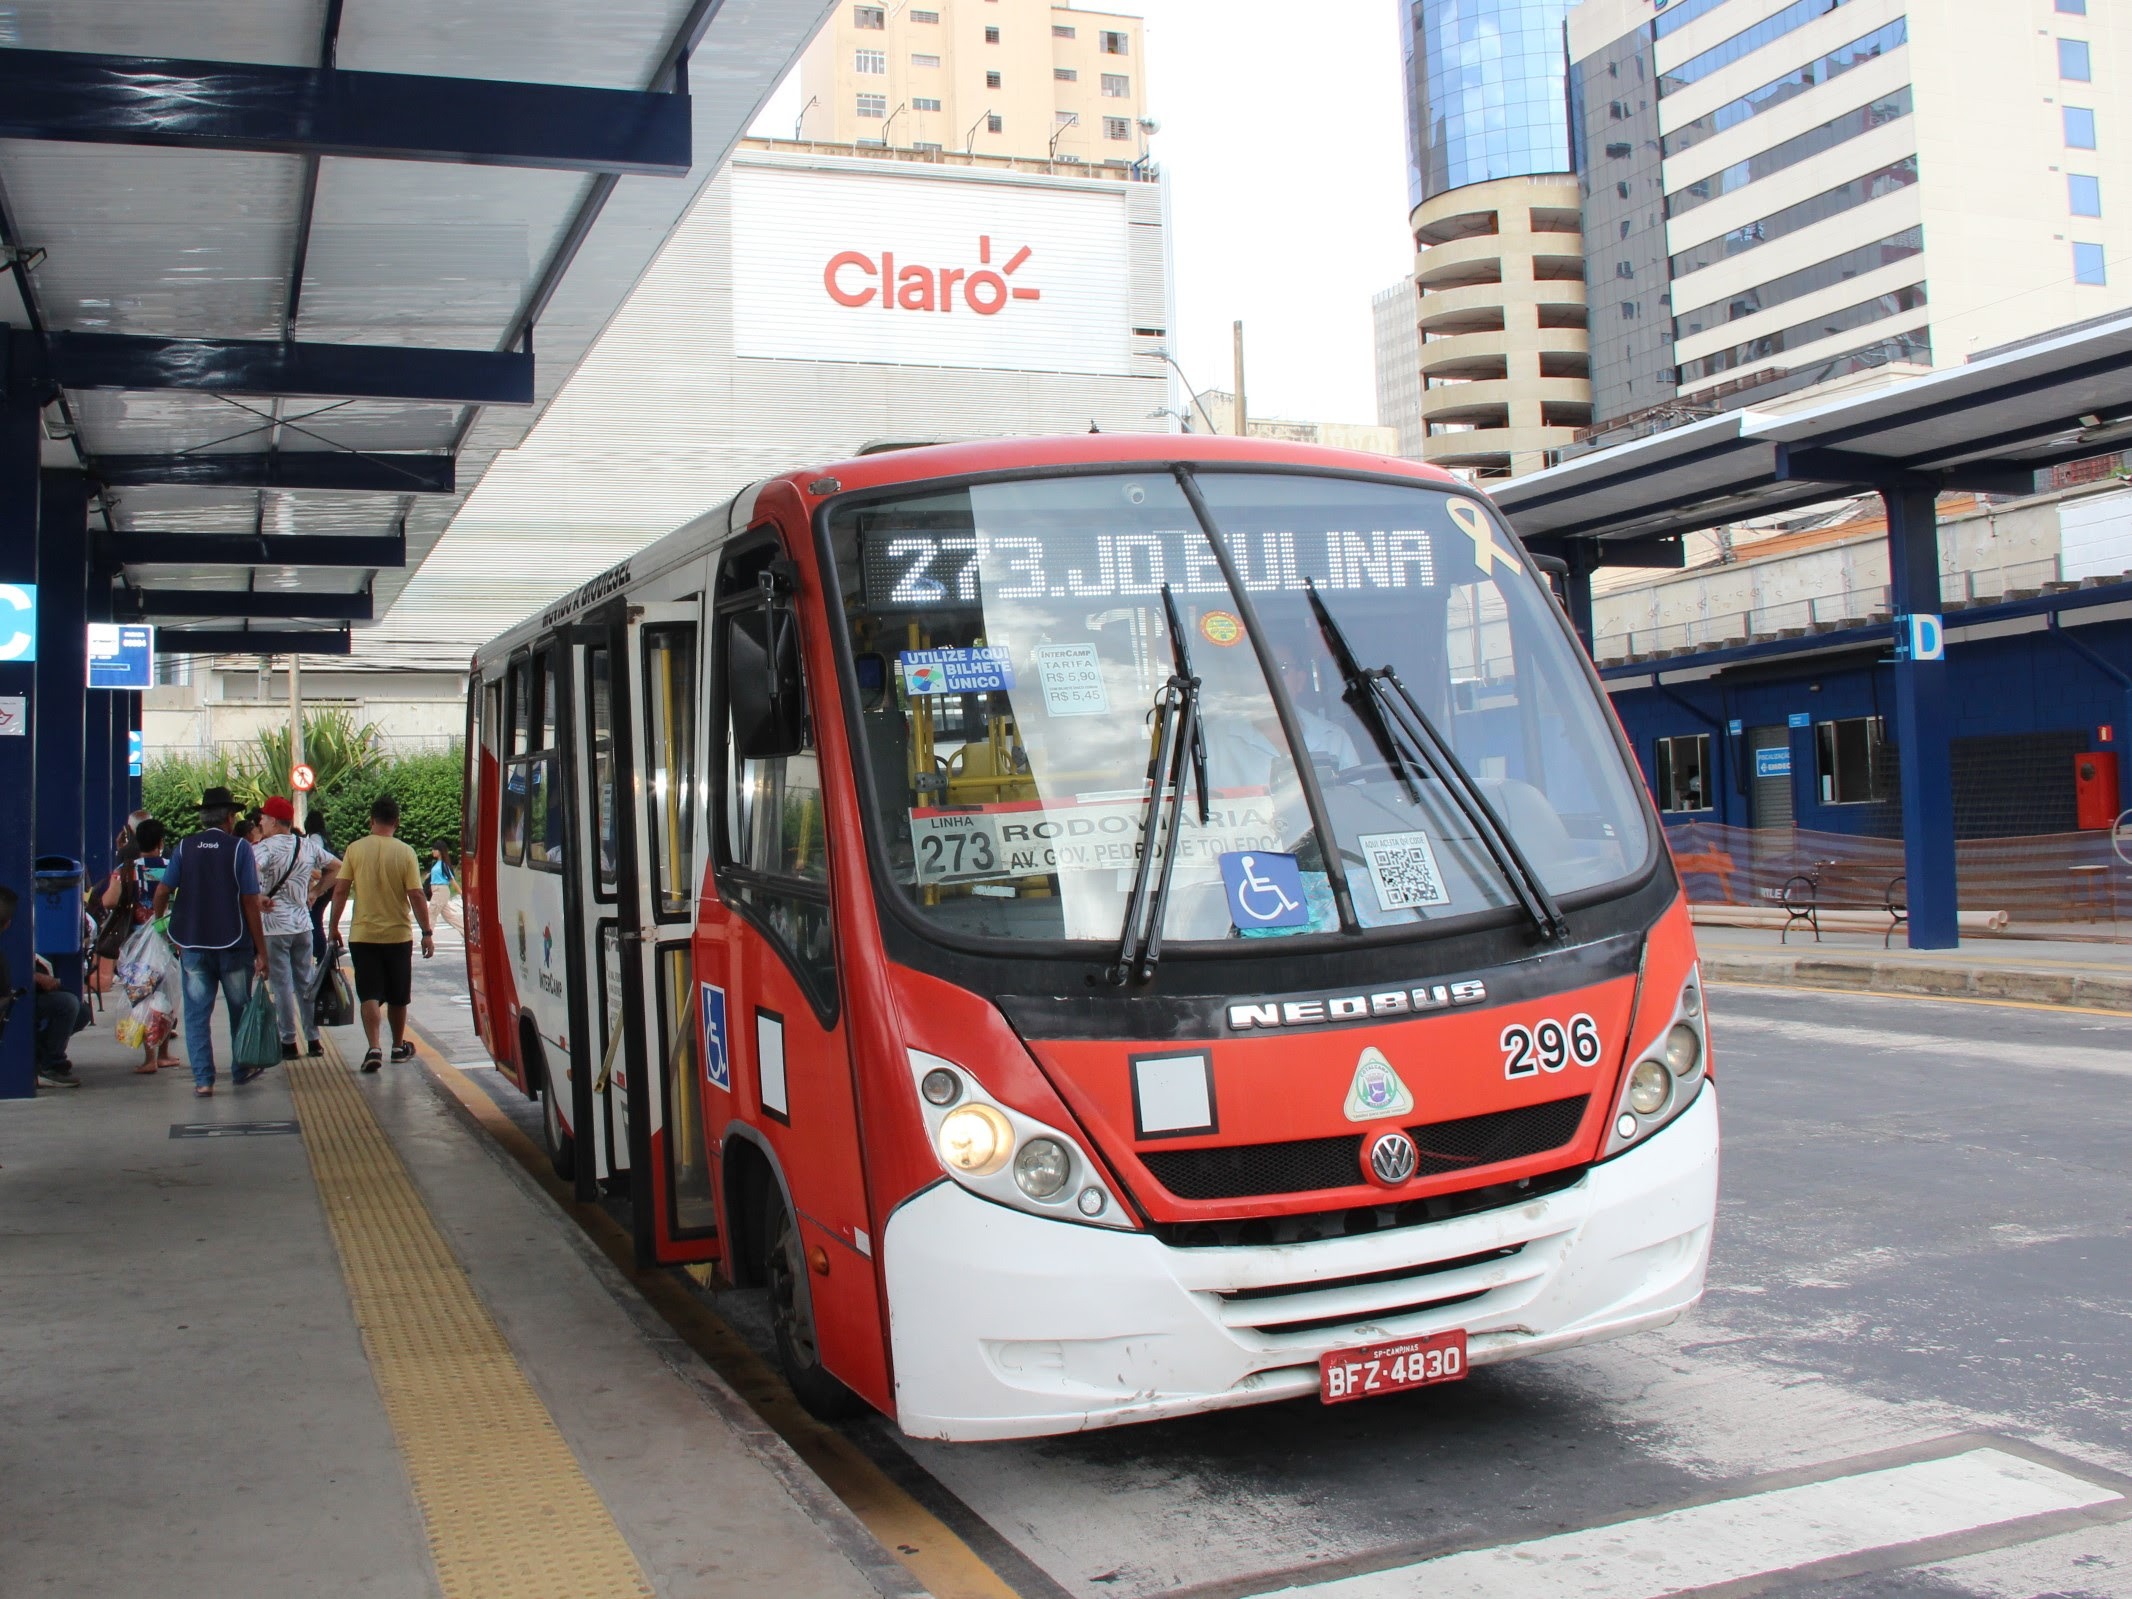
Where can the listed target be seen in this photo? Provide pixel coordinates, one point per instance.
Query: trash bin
(58, 927)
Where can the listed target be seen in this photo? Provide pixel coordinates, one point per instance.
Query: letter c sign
(837, 263)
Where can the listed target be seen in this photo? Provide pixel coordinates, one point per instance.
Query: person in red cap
(288, 861)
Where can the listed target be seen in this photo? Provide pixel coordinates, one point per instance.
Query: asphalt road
(1920, 1300)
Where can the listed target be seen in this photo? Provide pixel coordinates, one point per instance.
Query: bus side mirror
(764, 691)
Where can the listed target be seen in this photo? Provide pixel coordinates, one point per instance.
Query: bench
(1834, 885)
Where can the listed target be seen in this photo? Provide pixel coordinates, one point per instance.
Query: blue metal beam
(20, 442)
(228, 105)
(62, 682)
(1924, 725)
(1805, 464)
(251, 641)
(263, 603)
(269, 367)
(337, 471)
(136, 548)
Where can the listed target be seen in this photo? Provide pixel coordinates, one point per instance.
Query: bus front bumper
(1008, 1325)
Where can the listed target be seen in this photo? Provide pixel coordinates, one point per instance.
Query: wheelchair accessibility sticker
(1264, 890)
(717, 1064)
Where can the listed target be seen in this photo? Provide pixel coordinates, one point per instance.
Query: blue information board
(133, 752)
(121, 655)
(1800, 719)
(1772, 763)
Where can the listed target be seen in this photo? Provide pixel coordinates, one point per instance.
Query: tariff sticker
(956, 671)
(1072, 675)
(1403, 870)
(1221, 627)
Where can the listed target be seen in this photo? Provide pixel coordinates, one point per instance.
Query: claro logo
(854, 278)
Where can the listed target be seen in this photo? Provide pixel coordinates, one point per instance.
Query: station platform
(320, 1334)
(2081, 974)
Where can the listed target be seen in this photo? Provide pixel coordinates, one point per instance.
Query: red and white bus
(1102, 928)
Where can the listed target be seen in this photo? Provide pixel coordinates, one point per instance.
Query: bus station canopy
(1987, 426)
(297, 270)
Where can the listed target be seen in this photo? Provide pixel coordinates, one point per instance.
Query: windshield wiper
(1407, 737)
(1178, 740)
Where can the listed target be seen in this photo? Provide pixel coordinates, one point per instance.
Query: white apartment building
(1022, 78)
(1397, 348)
(1786, 197)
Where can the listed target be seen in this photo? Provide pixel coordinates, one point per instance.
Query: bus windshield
(1011, 650)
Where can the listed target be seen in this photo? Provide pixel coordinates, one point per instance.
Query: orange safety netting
(2039, 881)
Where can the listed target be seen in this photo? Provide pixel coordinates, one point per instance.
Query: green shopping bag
(256, 1044)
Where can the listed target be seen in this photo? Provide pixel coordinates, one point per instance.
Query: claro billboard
(921, 270)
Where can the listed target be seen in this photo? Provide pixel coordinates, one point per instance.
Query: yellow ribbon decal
(1486, 552)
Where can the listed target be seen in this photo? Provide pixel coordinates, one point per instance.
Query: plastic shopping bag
(149, 1022)
(146, 963)
(257, 1042)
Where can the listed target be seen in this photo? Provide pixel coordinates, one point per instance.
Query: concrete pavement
(186, 1406)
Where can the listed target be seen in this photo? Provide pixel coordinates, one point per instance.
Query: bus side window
(599, 721)
(547, 812)
(774, 850)
(670, 740)
(513, 825)
(774, 807)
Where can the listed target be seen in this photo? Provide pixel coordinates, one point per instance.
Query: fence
(1826, 612)
(2048, 885)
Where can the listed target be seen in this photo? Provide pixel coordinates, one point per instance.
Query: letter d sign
(1922, 638)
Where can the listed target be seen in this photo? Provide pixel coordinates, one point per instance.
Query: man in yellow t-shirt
(387, 884)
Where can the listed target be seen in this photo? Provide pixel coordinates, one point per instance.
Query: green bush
(171, 789)
(427, 786)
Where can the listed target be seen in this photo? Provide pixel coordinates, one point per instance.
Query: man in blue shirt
(216, 881)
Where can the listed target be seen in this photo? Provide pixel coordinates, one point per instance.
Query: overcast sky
(1283, 134)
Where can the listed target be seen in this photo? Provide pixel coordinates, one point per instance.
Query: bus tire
(799, 1357)
(561, 1147)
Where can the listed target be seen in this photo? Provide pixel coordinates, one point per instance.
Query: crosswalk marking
(1739, 1538)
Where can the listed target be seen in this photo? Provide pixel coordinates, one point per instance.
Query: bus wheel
(561, 1147)
(792, 1317)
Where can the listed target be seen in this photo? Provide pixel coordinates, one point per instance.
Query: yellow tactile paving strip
(508, 1513)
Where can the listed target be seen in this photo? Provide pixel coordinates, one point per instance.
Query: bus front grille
(1305, 1165)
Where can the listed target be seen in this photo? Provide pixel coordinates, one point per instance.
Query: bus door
(779, 1073)
(597, 1098)
(655, 1081)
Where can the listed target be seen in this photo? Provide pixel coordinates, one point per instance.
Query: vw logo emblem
(1390, 1158)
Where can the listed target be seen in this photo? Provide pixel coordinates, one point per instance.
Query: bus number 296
(1549, 1045)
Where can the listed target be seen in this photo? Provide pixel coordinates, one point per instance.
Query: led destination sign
(919, 570)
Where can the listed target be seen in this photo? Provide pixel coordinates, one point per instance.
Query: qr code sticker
(1403, 870)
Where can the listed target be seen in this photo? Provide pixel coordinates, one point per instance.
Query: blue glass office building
(1486, 91)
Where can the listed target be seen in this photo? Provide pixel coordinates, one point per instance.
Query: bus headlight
(1012, 1159)
(974, 1139)
(1648, 1087)
(1684, 1050)
(1669, 1072)
(1041, 1168)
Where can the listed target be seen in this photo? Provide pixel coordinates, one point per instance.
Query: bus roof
(926, 462)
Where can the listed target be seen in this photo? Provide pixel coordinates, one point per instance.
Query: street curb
(1906, 977)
